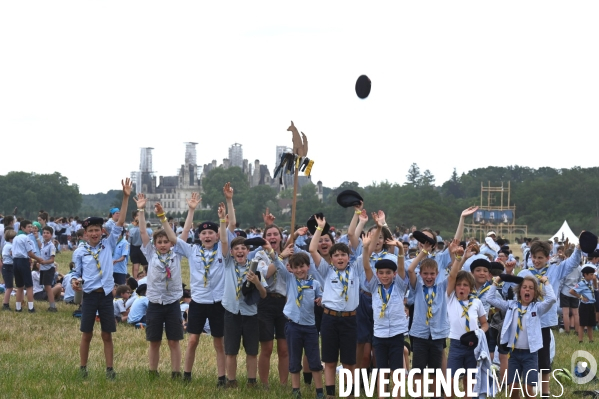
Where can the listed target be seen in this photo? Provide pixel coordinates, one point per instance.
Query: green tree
(413, 176)
(212, 185)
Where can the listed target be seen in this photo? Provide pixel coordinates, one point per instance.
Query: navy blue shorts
(238, 327)
(460, 357)
(526, 365)
(22, 270)
(165, 318)
(493, 341)
(389, 352)
(271, 318)
(8, 275)
(102, 304)
(199, 312)
(427, 353)
(543, 354)
(301, 338)
(119, 278)
(365, 319)
(338, 336)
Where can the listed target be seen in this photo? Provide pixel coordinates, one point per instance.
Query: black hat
(385, 264)
(595, 254)
(509, 278)
(241, 233)
(469, 339)
(349, 198)
(311, 223)
(208, 226)
(255, 242)
(141, 288)
(588, 269)
(588, 242)
(92, 221)
(363, 85)
(496, 268)
(423, 238)
(480, 263)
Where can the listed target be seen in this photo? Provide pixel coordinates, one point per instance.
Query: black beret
(588, 269)
(92, 221)
(423, 238)
(208, 226)
(311, 223)
(141, 288)
(588, 242)
(496, 268)
(595, 254)
(480, 263)
(363, 86)
(241, 233)
(255, 242)
(349, 198)
(509, 278)
(385, 264)
(469, 339)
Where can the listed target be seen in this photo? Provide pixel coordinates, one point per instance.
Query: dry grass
(39, 357)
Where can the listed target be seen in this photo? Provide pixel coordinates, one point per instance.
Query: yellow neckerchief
(385, 296)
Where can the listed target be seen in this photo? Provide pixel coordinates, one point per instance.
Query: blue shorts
(427, 353)
(364, 319)
(8, 275)
(102, 304)
(301, 338)
(22, 269)
(526, 364)
(460, 357)
(389, 352)
(338, 339)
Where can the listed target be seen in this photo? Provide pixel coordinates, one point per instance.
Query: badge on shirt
(334, 282)
(534, 314)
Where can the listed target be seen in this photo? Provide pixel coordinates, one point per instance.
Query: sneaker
(153, 374)
(52, 310)
(19, 310)
(176, 375)
(220, 383)
(7, 308)
(83, 372)
(320, 395)
(110, 375)
(231, 384)
(561, 331)
(296, 394)
(32, 310)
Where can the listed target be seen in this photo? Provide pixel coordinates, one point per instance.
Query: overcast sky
(465, 84)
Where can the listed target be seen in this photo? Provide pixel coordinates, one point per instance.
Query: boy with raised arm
(206, 269)
(93, 264)
(165, 289)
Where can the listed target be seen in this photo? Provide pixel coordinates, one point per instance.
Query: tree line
(543, 197)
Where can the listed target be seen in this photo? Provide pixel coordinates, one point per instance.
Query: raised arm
(127, 187)
(320, 223)
(140, 200)
(427, 247)
(401, 268)
(222, 230)
(192, 203)
(172, 237)
(228, 191)
(366, 256)
(351, 230)
(460, 230)
(494, 299)
(268, 218)
(459, 259)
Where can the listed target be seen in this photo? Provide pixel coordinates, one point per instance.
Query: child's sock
(18, 305)
(175, 375)
(307, 378)
(187, 376)
(30, 305)
(330, 390)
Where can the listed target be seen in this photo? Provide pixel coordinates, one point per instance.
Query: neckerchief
(208, 263)
(589, 284)
(240, 277)
(344, 280)
(385, 296)
(166, 262)
(465, 309)
(483, 290)
(521, 313)
(20, 232)
(301, 286)
(96, 255)
(376, 257)
(538, 274)
(429, 298)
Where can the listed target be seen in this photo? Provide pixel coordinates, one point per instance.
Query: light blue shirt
(122, 249)
(333, 297)
(138, 309)
(394, 320)
(533, 317)
(7, 254)
(48, 252)
(585, 288)
(21, 246)
(303, 314)
(230, 301)
(214, 289)
(443, 260)
(555, 273)
(109, 225)
(86, 266)
(36, 248)
(69, 292)
(373, 259)
(438, 326)
(135, 236)
(161, 289)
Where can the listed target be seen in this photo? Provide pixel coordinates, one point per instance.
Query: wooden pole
(294, 203)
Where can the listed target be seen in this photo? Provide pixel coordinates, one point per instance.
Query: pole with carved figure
(300, 150)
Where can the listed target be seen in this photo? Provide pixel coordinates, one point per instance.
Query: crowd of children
(367, 299)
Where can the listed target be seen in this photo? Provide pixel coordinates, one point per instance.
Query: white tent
(565, 232)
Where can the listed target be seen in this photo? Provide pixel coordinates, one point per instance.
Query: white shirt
(457, 323)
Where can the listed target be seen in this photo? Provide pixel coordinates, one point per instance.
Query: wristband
(425, 251)
(162, 219)
(385, 225)
(223, 220)
(159, 215)
(400, 256)
(458, 257)
(358, 212)
(318, 228)
(280, 258)
(141, 209)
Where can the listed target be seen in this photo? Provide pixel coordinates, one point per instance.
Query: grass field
(39, 357)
